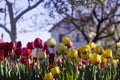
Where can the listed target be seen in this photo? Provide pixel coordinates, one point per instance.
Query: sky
(25, 29)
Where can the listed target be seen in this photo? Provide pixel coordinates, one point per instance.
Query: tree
(97, 16)
(15, 15)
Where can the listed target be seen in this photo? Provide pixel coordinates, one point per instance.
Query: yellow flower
(95, 58)
(118, 44)
(66, 41)
(41, 55)
(51, 42)
(92, 45)
(84, 56)
(48, 76)
(99, 49)
(107, 53)
(114, 61)
(55, 70)
(60, 48)
(66, 51)
(104, 60)
(73, 54)
(84, 49)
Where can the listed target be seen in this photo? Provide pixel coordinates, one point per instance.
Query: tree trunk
(13, 34)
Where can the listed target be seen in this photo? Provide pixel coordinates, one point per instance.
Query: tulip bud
(18, 51)
(99, 49)
(2, 45)
(55, 70)
(19, 44)
(84, 56)
(107, 53)
(23, 59)
(73, 54)
(38, 43)
(26, 52)
(95, 58)
(51, 57)
(70, 45)
(1, 56)
(84, 49)
(66, 41)
(51, 42)
(60, 48)
(48, 76)
(41, 55)
(92, 45)
(30, 45)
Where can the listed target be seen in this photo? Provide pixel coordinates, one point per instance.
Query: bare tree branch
(2, 26)
(28, 9)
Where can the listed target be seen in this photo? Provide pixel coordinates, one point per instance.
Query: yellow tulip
(104, 60)
(60, 48)
(48, 76)
(118, 44)
(41, 55)
(92, 45)
(66, 51)
(107, 53)
(114, 61)
(73, 54)
(84, 56)
(55, 70)
(66, 41)
(84, 49)
(51, 42)
(99, 49)
(95, 58)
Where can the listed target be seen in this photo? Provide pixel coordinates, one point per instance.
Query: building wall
(61, 29)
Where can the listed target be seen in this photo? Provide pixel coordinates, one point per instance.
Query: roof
(64, 20)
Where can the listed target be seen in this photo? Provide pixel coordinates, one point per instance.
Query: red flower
(45, 49)
(84, 62)
(38, 43)
(19, 44)
(9, 46)
(51, 57)
(70, 45)
(102, 65)
(12, 45)
(26, 51)
(24, 60)
(30, 45)
(1, 56)
(35, 59)
(2, 45)
(18, 51)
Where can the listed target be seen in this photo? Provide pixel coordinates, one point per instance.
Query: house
(66, 28)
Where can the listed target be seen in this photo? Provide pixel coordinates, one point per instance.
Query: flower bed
(63, 62)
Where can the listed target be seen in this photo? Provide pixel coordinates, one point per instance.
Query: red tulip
(51, 57)
(1, 56)
(12, 45)
(2, 45)
(84, 62)
(26, 52)
(38, 43)
(24, 60)
(102, 65)
(30, 45)
(18, 51)
(35, 59)
(70, 45)
(19, 44)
